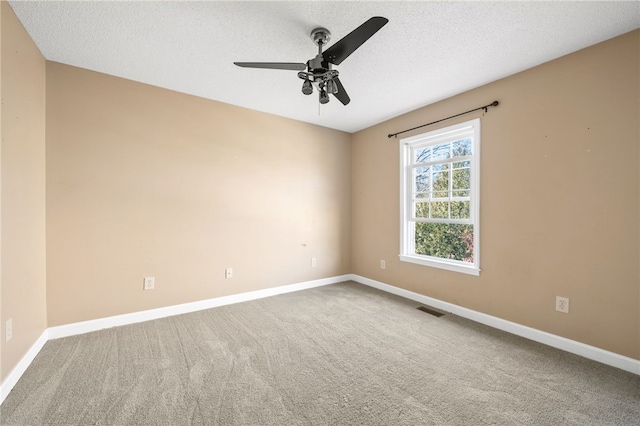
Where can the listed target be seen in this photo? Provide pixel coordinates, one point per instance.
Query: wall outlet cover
(562, 304)
(149, 283)
(8, 332)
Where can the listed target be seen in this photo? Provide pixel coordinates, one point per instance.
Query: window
(439, 191)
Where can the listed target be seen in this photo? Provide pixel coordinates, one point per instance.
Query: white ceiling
(427, 52)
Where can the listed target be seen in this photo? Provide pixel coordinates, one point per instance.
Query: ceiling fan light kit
(318, 72)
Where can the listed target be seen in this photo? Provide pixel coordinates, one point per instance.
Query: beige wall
(143, 181)
(559, 199)
(22, 276)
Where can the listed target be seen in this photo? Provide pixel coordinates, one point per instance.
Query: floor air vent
(430, 311)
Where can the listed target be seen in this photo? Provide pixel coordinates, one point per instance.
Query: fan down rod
(485, 108)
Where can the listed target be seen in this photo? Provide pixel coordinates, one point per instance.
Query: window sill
(420, 260)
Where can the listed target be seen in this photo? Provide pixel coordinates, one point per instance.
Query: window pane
(462, 147)
(421, 155)
(462, 164)
(445, 240)
(440, 210)
(460, 210)
(422, 179)
(422, 210)
(462, 179)
(440, 152)
(441, 177)
(461, 193)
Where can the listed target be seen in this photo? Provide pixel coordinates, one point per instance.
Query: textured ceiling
(427, 52)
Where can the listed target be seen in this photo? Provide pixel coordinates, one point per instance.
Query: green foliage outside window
(445, 240)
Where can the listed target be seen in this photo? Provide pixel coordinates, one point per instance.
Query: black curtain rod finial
(485, 108)
(494, 103)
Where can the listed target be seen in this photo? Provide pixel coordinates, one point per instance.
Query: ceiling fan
(318, 70)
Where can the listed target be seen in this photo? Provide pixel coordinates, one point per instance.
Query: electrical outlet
(562, 304)
(149, 283)
(383, 264)
(228, 273)
(313, 262)
(8, 332)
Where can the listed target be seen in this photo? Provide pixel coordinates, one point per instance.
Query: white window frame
(471, 129)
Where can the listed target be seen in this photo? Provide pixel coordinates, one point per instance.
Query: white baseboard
(22, 366)
(185, 308)
(587, 351)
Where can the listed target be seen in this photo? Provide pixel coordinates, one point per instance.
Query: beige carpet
(341, 354)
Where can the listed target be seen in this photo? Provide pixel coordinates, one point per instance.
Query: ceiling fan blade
(341, 94)
(294, 66)
(349, 43)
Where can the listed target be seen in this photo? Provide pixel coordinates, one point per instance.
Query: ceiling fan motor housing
(318, 65)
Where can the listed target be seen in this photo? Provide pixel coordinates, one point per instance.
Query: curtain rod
(492, 104)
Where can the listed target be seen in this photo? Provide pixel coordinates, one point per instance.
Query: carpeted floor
(340, 354)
